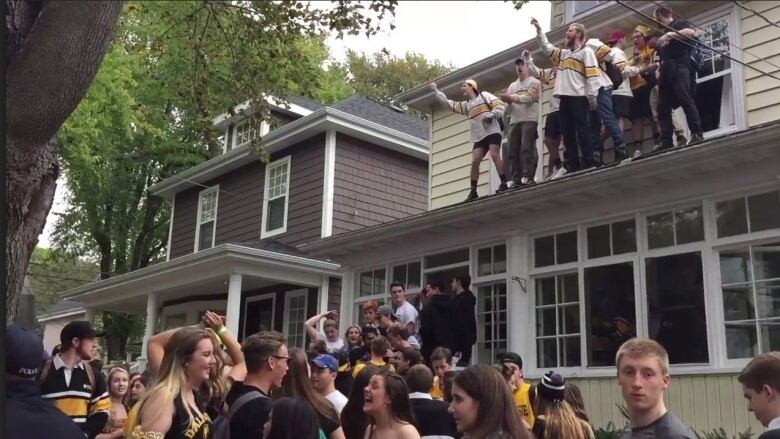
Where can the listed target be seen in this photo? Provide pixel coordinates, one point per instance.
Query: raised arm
(311, 326)
(214, 321)
(156, 349)
(456, 106)
(548, 48)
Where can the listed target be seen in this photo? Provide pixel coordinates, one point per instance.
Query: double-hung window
(206, 228)
(245, 132)
(277, 197)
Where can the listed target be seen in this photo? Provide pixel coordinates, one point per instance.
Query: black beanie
(552, 387)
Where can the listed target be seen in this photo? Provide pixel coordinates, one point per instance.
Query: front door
(259, 314)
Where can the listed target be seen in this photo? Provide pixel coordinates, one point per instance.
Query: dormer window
(246, 131)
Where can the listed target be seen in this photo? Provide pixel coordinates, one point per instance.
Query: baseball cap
(78, 329)
(552, 387)
(472, 83)
(325, 361)
(386, 310)
(511, 357)
(644, 30)
(615, 35)
(25, 352)
(519, 61)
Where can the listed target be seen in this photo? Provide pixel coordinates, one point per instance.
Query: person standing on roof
(522, 99)
(484, 111)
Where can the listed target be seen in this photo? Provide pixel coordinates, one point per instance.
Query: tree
(55, 49)
(51, 273)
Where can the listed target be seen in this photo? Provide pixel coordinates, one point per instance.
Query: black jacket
(431, 418)
(27, 416)
(439, 326)
(465, 304)
(770, 434)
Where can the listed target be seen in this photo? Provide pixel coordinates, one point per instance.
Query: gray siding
(240, 204)
(374, 185)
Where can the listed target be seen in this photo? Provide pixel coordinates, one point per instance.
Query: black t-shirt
(677, 48)
(182, 428)
(328, 425)
(769, 434)
(665, 427)
(251, 418)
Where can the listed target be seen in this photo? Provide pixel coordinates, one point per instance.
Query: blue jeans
(604, 113)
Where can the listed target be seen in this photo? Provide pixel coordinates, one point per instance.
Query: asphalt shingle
(382, 114)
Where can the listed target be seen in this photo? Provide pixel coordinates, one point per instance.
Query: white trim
(70, 313)
(287, 298)
(267, 234)
(569, 15)
(322, 295)
(206, 191)
(265, 128)
(245, 108)
(329, 183)
(170, 229)
(258, 298)
(152, 305)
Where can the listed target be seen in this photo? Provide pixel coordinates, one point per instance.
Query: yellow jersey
(358, 367)
(522, 398)
(646, 56)
(437, 389)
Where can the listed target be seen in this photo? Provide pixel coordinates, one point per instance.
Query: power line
(757, 58)
(747, 8)
(685, 40)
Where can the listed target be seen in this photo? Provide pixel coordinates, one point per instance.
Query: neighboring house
(56, 317)
(681, 246)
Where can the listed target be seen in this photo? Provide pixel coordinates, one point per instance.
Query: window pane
(764, 211)
(399, 274)
(770, 335)
(544, 253)
(566, 247)
(414, 276)
(275, 217)
(570, 351)
(735, 267)
(569, 319)
(448, 258)
(598, 241)
(499, 259)
(766, 261)
(485, 261)
(545, 321)
(366, 283)
(768, 296)
(731, 217)
(609, 302)
(690, 225)
(547, 352)
(675, 297)
(659, 230)
(738, 303)
(206, 235)
(379, 281)
(741, 340)
(545, 291)
(568, 288)
(623, 237)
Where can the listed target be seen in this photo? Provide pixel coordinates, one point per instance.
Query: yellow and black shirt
(72, 391)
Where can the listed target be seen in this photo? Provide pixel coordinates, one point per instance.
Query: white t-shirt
(337, 399)
(331, 346)
(406, 313)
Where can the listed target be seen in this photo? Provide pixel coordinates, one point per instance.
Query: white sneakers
(559, 173)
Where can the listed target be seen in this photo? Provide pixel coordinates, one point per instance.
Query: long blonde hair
(172, 375)
(560, 420)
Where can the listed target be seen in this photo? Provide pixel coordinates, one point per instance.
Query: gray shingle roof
(61, 307)
(276, 247)
(382, 114)
(303, 102)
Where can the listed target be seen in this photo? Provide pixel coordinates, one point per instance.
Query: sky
(457, 32)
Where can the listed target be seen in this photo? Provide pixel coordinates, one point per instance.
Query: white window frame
(585, 257)
(267, 234)
(389, 275)
(265, 128)
(643, 232)
(198, 223)
(580, 334)
(569, 14)
(287, 299)
(507, 315)
(493, 277)
(258, 298)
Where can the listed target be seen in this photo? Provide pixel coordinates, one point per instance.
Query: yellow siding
(760, 38)
(705, 402)
(558, 14)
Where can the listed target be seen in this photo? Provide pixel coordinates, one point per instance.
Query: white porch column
(519, 312)
(322, 295)
(347, 302)
(233, 311)
(151, 321)
(89, 315)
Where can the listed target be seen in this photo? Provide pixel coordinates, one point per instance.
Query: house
(682, 246)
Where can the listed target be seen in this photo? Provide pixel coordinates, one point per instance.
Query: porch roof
(206, 271)
(651, 171)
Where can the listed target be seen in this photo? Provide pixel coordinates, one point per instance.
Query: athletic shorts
(492, 139)
(552, 125)
(640, 105)
(621, 105)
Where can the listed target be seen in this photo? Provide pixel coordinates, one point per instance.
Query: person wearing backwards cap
(523, 393)
(556, 419)
(484, 111)
(26, 414)
(386, 317)
(72, 384)
(323, 375)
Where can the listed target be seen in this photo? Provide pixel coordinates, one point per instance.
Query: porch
(256, 289)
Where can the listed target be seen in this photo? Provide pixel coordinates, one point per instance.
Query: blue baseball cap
(25, 352)
(325, 361)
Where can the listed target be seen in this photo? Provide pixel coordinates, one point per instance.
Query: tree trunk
(54, 50)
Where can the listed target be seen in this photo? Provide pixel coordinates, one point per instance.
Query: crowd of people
(389, 377)
(596, 90)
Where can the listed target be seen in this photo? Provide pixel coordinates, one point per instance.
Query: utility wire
(747, 8)
(686, 40)
(757, 58)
